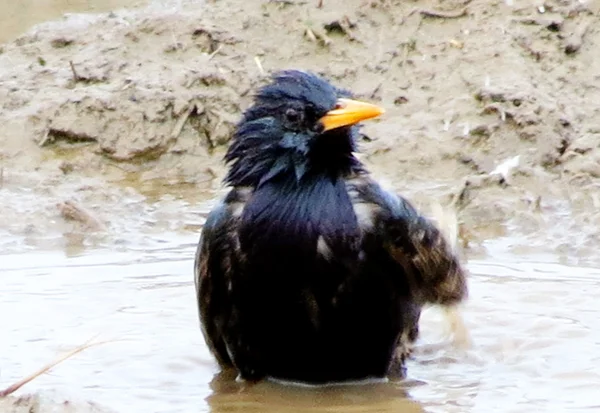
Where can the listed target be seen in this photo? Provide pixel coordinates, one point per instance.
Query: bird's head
(299, 124)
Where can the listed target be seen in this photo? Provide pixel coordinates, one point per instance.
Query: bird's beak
(349, 112)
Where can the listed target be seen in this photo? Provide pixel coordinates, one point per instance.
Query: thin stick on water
(16, 386)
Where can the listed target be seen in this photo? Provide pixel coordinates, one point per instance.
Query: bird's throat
(287, 216)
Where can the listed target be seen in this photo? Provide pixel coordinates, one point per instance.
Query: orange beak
(349, 112)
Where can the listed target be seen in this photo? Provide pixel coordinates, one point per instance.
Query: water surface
(536, 328)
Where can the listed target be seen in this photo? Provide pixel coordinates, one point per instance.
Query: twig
(75, 75)
(259, 65)
(375, 91)
(45, 138)
(217, 50)
(288, 2)
(318, 35)
(311, 35)
(16, 386)
(442, 14)
(181, 122)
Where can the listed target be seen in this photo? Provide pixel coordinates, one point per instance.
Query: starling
(308, 270)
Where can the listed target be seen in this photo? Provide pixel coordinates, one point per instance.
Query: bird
(309, 270)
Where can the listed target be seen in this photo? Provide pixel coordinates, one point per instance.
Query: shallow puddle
(535, 327)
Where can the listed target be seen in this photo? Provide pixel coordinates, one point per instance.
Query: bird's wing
(433, 270)
(212, 274)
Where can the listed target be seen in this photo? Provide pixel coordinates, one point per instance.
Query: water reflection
(229, 395)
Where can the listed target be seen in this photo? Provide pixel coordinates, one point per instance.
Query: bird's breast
(289, 223)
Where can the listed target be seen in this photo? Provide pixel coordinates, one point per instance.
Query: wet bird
(308, 270)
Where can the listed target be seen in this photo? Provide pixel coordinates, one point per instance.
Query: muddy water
(18, 16)
(535, 324)
(536, 328)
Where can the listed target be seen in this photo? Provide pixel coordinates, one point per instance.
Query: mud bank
(112, 110)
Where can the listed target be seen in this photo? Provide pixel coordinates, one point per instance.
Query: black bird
(309, 270)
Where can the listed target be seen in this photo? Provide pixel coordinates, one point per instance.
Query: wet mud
(492, 107)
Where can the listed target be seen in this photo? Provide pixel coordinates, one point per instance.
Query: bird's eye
(293, 115)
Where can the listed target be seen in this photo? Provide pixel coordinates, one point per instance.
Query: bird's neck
(256, 162)
(332, 155)
(288, 215)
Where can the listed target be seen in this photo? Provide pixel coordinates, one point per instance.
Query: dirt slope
(147, 99)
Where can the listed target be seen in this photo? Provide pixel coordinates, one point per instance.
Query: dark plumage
(309, 270)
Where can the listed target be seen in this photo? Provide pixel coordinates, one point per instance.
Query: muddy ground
(98, 109)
